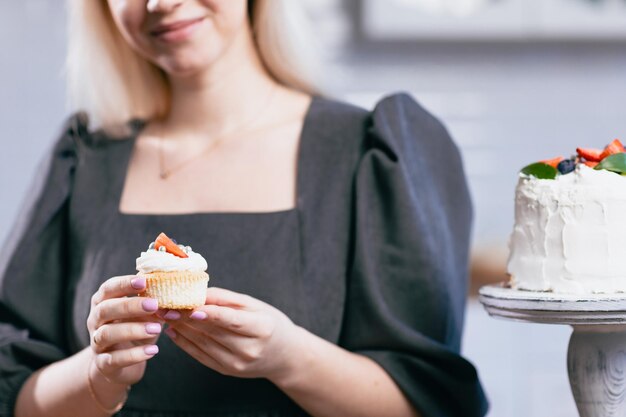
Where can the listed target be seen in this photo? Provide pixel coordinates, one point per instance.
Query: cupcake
(175, 275)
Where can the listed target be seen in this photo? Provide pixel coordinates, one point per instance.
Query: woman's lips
(177, 31)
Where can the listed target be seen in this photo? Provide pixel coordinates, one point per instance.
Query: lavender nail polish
(198, 315)
(138, 283)
(151, 350)
(172, 315)
(150, 304)
(153, 328)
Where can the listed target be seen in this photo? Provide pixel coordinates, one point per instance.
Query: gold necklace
(165, 173)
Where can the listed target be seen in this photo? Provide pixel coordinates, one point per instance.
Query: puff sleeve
(32, 271)
(408, 277)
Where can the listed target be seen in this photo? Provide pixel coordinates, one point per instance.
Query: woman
(341, 235)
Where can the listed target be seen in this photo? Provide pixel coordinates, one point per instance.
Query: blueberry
(174, 240)
(566, 166)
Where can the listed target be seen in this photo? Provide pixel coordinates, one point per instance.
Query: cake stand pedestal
(596, 357)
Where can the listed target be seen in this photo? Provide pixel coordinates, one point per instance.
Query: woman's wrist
(107, 396)
(297, 359)
(61, 389)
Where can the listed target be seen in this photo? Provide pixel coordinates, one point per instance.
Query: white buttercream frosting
(570, 233)
(153, 260)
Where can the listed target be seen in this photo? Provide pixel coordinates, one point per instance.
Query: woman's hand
(236, 335)
(123, 329)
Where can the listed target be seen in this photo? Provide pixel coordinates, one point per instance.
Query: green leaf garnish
(540, 170)
(614, 163)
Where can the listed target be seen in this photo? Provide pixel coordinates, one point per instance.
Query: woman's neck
(223, 97)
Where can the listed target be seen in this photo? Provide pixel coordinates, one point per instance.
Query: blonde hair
(113, 84)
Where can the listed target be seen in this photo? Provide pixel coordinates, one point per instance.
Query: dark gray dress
(373, 258)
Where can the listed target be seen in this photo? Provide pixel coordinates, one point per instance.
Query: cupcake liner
(177, 289)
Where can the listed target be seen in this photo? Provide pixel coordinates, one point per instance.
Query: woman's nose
(161, 6)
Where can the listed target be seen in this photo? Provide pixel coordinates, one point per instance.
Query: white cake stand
(596, 357)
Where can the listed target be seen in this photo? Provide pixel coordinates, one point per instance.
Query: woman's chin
(184, 68)
(182, 72)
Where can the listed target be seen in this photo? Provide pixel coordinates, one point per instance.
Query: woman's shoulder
(395, 122)
(395, 106)
(77, 134)
(401, 110)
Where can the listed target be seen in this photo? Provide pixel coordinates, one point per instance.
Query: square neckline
(139, 125)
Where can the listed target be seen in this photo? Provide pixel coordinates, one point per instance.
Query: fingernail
(153, 328)
(172, 315)
(138, 283)
(150, 304)
(198, 315)
(151, 350)
(170, 332)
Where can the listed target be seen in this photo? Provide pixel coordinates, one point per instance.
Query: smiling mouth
(172, 28)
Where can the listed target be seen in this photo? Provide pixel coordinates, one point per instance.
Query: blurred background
(515, 81)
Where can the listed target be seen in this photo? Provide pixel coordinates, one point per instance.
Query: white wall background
(506, 104)
(32, 38)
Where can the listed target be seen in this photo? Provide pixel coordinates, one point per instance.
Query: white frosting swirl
(153, 260)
